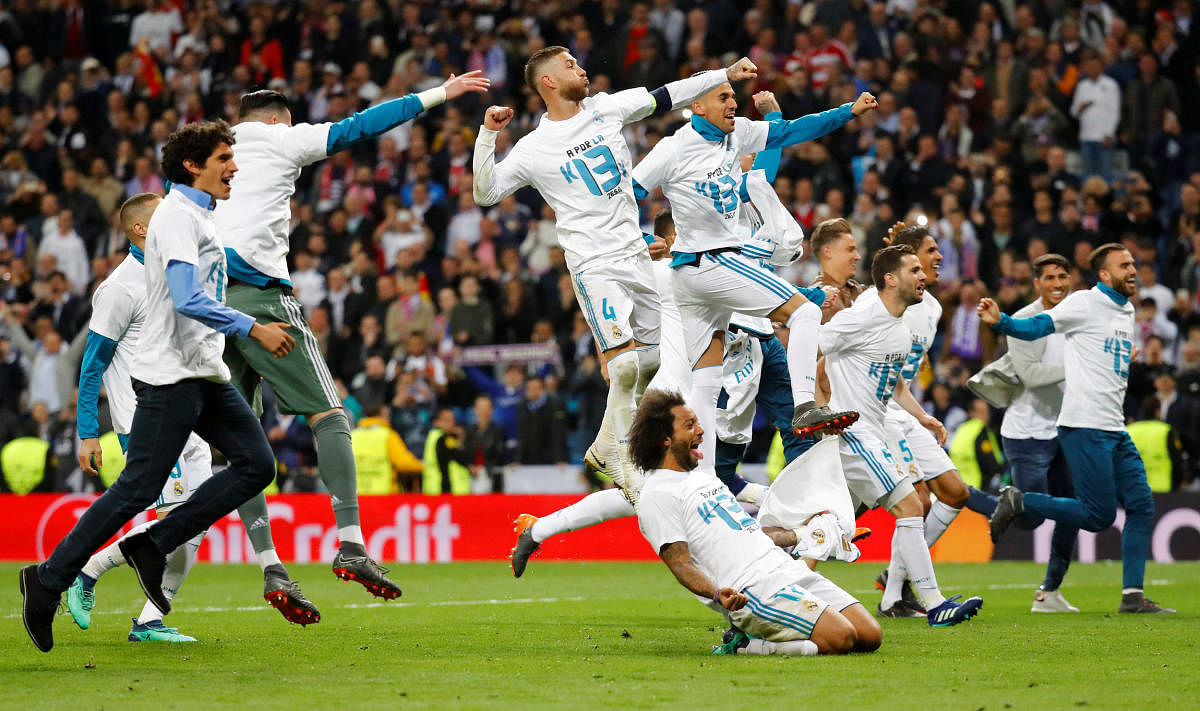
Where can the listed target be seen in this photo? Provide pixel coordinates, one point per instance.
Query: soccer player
(699, 169)
(837, 253)
(254, 224)
(182, 385)
(1106, 468)
(1028, 431)
(118, 314)
(866, 348)
(579, 162)
(715, 550)
(918, 451)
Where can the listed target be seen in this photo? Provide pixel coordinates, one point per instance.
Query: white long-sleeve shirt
(1099, 120)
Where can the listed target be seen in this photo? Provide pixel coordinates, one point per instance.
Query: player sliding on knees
(699, 170)
(578, 160)
(255, 224)
(775, 604)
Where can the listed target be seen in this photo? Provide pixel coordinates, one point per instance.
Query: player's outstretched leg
(1010, 504)
(148, 626)
(592, 509)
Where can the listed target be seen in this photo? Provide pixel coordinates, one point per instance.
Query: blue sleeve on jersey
(808, 128)
(814, 294)
(648, 238)
(639, 193)
(768, 158)
(372, 122)
(1026, 329)
(97, 354)
(191, 301)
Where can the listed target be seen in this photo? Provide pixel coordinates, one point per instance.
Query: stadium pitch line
(363, 606)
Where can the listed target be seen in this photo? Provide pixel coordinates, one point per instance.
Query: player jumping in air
(1106, 468)
(254, 224)
(579, 162)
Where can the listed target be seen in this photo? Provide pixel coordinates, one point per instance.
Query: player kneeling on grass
(775, 603)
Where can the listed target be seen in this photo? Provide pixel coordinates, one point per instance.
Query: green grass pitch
(594, 635)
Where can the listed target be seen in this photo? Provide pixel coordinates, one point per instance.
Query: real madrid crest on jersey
(178, 486)
(616, 331)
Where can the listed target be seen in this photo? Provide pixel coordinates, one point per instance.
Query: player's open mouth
(695, 450)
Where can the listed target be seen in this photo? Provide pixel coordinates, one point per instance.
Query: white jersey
(256, 219)
(581, 167)
(696, 508)
(1099, 343)
(118, 313)
(701, 178)
(1030, 415)
(865, 348)
(181, 347)
(922, 320)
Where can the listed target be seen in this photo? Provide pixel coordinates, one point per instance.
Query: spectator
(471, 320)
(1097, 106)
(384, 464)
(446, 461)
(485, 445)
(541, 426)
(975, 449)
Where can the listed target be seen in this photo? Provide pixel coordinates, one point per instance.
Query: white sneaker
(1051, 601)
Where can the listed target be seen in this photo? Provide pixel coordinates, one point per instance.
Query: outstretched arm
(813, 126)
(1026, 329)
(678, 558)
(379, 119)
(678, 94)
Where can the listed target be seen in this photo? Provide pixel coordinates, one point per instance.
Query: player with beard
(1028, 433)
(578, 160)
(719, 553)
(1106, 468)
(866, 348)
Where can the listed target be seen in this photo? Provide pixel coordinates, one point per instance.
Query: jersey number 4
(576, 169)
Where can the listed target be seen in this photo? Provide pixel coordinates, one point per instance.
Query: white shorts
(916, 449)
(620, 301)
(870, 470)
(786, 603)
(710, 292)
(193, 468)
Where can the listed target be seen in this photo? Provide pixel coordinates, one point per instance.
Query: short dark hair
(134, 209)
(826, 232)
(652, 423)
(264, 100)
(887, 261)
(534, 66)
(1100, 254)
(664, 221)
(194, 142)
(912, 236)
(1046, 260)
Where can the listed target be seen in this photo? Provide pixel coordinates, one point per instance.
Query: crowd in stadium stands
(1012, 128)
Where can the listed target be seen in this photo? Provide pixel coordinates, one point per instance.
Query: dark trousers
(165, 416)
(1040, 466)
(1106, 471)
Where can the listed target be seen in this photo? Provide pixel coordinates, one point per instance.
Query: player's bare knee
(923, 494)
(868, 633)
(315, 418)
(834, 634)
(908, 507)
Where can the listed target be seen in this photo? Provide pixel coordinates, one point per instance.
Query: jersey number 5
(607, 166)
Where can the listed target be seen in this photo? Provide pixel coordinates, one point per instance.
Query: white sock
(648, 362)
(592, 509)
(796, 648)
(752, 493)
(268, 557)
(110, 557)
(939, 519)
(897, 574)
(1127, 591)
(622, 380)
(802, 351)
(179, 564)
(909, 542)
(706, 388)
(351, 534)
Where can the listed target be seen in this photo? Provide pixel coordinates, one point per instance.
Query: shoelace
(89, 600)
